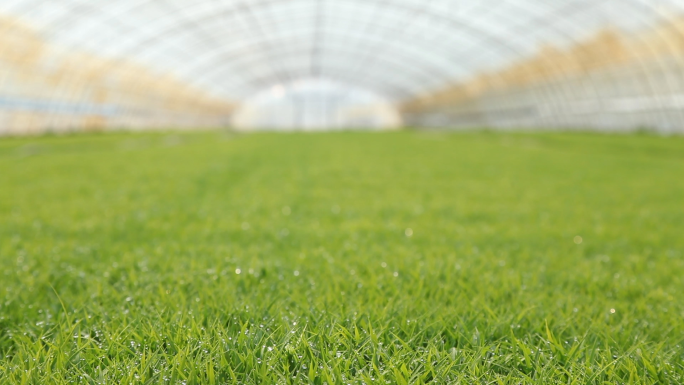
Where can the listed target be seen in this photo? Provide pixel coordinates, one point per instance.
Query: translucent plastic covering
(190, 63)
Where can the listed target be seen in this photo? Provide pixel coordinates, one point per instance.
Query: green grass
(211, 258)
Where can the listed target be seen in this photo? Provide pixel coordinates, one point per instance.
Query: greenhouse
(322, 64)
(342, 192)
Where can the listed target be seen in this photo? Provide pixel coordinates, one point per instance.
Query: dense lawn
(393, 258)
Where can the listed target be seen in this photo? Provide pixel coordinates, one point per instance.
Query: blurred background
(80, 65)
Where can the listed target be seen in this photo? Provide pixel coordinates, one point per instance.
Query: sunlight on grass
(394, 258)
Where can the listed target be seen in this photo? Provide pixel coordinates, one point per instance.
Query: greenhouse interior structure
(77, 65)
(342, 192)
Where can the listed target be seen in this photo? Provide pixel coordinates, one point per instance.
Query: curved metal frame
(399, 68)
(490, 43)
